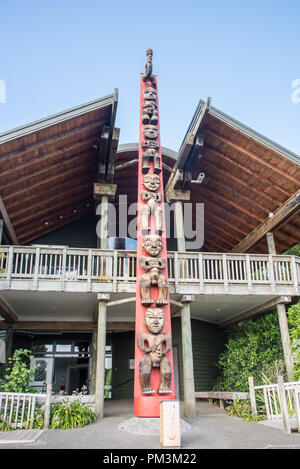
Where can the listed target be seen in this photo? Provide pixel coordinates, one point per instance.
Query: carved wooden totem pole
(154, 379)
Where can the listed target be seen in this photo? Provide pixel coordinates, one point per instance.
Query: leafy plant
(4, 426)
(71, 414)
(294, 325)
(18, 374)
(253, 347)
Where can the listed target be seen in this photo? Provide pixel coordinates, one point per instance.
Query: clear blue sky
(242, 53)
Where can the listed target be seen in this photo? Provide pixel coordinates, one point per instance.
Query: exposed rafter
(282, 214)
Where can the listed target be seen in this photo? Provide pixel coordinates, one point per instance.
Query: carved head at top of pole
(148, 68)
(149, 54)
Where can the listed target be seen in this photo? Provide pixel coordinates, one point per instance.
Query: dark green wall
(122, 377)
(208, 342)
(79, 234)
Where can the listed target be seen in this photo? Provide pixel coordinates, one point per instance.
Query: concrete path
(211, 429)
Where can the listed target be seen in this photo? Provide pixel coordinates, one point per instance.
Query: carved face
(149, 94)
(152, 245)
(150, 131)
(151, 182)
(154, 320)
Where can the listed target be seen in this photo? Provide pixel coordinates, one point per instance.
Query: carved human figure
(153, 199)
(155, 345)
(150, 154)
(149, 107)
(148, 68)
(153, 265)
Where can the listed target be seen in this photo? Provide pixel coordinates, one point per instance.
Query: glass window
(39, 348)
(63, 347)
(40, 370)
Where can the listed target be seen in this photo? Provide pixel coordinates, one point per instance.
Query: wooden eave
(247, 178)
(48, 168)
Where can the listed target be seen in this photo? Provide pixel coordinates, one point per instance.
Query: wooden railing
(200, 270)
(281, 401)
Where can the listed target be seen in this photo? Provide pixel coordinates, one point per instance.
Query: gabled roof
(247, 178)
(48, 169)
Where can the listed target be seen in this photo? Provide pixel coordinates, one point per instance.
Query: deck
(39, 268)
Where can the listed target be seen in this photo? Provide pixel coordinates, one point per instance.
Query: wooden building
(64, 289)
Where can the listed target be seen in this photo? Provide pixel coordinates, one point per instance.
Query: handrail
(65, 264)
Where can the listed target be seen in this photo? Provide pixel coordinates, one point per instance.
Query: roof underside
(245, 180)
(48, 169)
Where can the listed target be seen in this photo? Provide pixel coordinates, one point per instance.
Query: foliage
(18, 374)
(294, 326)
(4, 426)
(294, 250)
(71, 414)
(253, 347)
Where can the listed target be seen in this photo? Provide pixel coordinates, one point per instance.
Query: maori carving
(148, 69)
(153, 199)
(155, 345)
(153, 276)
(149, 108)
(150, 132)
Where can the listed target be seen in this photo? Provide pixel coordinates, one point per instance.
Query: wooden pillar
(9, 337)
(187, 355)
(283, 323)
(1, 231)
(93, 362)
(179, 224)
(102, 193)
(102, 299)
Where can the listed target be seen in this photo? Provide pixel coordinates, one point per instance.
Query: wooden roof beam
(189, 147)
(288, 209)
(257, 310)
(9, 228)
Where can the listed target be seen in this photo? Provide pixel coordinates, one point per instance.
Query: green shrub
(294, 326)
(18, 374)
(253, 347)
(71, 414)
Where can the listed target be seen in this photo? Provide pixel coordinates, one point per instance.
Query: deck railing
(38, 263)
(281, 401)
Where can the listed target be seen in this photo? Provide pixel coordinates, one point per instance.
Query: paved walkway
(211, 429)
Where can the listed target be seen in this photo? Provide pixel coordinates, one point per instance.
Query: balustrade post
(283, 404)
(252, 396)
(47, 406)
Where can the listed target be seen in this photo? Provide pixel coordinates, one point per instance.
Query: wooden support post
(286, 341)
(221, 404)
(94, 362)
(9, 338)
(283, 323)
(179, 225)
(102, 299)
(102, 193)
(283, 404)
(47, 407)
(252, 396)
(1, 231)
(187, 353)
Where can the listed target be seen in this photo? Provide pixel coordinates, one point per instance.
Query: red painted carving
(146, 404)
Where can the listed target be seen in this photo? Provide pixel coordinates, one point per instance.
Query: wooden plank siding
(208, 342)
(122, 376)
(78, 234)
